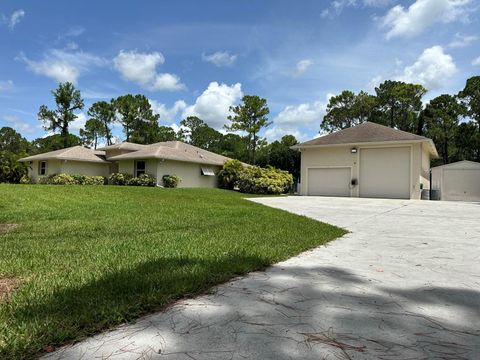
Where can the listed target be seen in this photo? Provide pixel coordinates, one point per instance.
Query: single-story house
(196, 167)
(458, 181)
(367, 160)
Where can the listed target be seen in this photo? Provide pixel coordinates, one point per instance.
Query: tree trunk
(65, 136)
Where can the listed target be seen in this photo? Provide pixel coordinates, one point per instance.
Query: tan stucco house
(196, 167)
(367, 160)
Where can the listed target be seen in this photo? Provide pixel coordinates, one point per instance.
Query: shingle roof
(363, 133)
(174, 150)
(124, 146)
(74, 153)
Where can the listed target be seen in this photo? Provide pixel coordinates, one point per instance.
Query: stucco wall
(341, 156)
(68, 167)
(190, 173)
(128, 167)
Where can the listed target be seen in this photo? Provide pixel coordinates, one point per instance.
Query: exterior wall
(68, 167)
(190, 173)
(463, 181)
(341, 156)
(425, 173)
(128, 167)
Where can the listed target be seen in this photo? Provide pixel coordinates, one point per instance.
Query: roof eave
(306, 146)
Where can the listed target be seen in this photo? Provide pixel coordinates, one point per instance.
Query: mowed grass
(88, 258)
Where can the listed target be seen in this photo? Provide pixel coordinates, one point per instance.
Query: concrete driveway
(404, 284)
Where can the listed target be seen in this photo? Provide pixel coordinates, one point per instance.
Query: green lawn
(91, 257)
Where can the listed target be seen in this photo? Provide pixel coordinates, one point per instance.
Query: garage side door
(329, 181)
(461, 184)
(385, 173)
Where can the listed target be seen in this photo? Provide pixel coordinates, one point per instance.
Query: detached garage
(459, 181)
(368, 160)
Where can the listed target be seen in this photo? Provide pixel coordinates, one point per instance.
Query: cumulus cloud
(407, 22)
(220, 58)
(12, 20)
(431, 69)
(461, 41)
(167, 113)
(212, 106)
(293, 118)
(62, 65)
(141, 68)
(476, 61)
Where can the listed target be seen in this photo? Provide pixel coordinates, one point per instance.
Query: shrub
(119, 179)
(58, 179)
(25, 179)
(228, 176)
(142, 180)
(256, 180)
(171, 181)
(88, 180)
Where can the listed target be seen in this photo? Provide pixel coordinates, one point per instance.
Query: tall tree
(103, 112)
(442, 116)
(200, 134)
(348, 109)
(280, 155)
(135, 114)
(53, 142)
(68, 100)
(470, 97)
(250, 117)
(467, 138)
(12, 141)
(400, 103)
(94, 129)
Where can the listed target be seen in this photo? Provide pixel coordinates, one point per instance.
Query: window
(42, 168)
(139, 167)
(207, 171)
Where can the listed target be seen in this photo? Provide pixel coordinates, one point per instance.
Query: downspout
(430, 190)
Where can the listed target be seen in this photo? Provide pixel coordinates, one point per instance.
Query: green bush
(25, 179)
(58, 179)
(142, 180)
(88, 180)
(228, 176)
(119, 179)
(256, 180)
(171, 181)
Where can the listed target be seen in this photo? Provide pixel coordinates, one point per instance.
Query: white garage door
(461, 184)
(329, 181)
(385, 173)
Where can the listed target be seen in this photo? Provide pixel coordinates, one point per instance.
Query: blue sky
(198, 58)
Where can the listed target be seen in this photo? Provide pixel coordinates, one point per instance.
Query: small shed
(459, 181)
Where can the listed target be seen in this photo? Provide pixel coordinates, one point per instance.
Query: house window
(139, 167)
(42, 168)
(207, 171)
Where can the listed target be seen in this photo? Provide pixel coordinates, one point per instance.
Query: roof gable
(364, 133)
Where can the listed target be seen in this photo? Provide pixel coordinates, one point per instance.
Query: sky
(199, 58)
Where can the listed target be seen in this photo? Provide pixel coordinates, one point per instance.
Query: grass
(89, 258)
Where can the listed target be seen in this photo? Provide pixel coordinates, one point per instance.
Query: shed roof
(460, 164)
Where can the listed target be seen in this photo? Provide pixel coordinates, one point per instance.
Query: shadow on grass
(120, 296)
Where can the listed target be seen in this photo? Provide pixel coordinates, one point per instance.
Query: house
(458, 181)
(196, 167)
(367, 160)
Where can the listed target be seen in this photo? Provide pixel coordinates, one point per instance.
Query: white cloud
(79, 122)
(476, 62)
(461, 41)
(431, 69)
(6, 85)
(302, 66)
(168, 114)
(293, 118)
(408, 22)
(220, 58)
(212, 106)
(13, 19)
(141, 68)
(337, 6)
(19, 124)
(62, 65)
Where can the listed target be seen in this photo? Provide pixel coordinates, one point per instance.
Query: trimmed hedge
(129, 180)
(254, 179)
(67, 179)
(171, 181)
